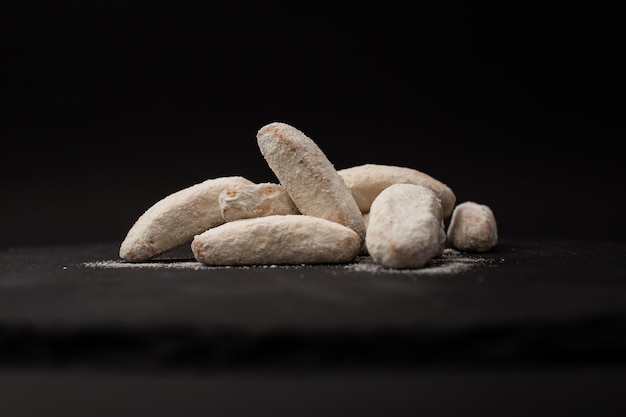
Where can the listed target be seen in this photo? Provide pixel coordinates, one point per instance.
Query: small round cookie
(473, 227)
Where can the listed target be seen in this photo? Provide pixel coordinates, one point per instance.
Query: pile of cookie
(313, 214)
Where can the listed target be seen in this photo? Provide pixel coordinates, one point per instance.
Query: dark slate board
(532, 302)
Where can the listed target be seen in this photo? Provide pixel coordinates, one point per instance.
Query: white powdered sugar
(450, 262)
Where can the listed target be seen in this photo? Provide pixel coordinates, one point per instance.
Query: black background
(111, 106)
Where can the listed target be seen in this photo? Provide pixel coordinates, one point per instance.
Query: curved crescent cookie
(308, 176)
(174, 220)
(368, 180)
(277, 239)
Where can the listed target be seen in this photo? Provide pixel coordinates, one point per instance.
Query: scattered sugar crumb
(119, 264)
(450, 262)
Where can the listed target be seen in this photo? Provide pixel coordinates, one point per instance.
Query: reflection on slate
(538, 302)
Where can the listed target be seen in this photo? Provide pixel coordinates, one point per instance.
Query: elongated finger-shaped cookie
(404, 229)
(244, 201)
(308, 176)
(174, 220)
(473, 227)
(277, 239)
(368, 180)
